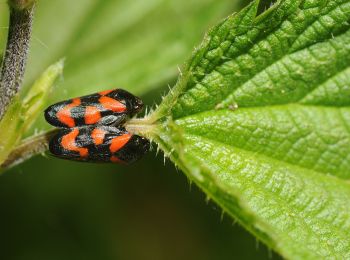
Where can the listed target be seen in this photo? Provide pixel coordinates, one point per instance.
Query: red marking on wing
(115, 159)
(68, 143)
(105, 92)
(118, 142)
(112, 104)
(64, 115)
(92, 115)
(98, 136)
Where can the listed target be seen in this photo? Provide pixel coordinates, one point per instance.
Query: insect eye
(137, 105)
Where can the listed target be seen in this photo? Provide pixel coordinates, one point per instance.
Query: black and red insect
(91, 128)
(109, 107)
(98, 144)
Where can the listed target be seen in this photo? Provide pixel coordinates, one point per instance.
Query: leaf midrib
(274, 160)
(261, 154)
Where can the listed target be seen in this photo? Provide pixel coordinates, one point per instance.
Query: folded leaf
(22, 113)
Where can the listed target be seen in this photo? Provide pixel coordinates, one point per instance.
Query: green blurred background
(54, 209)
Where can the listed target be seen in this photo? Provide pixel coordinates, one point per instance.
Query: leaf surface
(260, 120)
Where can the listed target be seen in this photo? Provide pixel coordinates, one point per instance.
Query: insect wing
(98, 144)
(110, 107)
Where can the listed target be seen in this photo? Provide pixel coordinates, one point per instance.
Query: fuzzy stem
(140, 126)
(15, 56)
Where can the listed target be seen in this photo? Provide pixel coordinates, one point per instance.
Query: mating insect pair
(91, 128)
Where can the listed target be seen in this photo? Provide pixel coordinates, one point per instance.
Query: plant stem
(28, 148)
(140, 126)
(15, 56)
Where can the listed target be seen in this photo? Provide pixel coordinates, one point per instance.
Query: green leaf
(23, 112)
(35, 100)
(260, 120)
